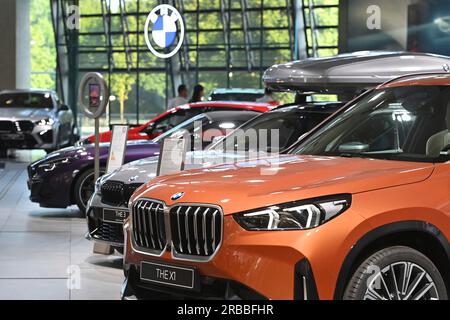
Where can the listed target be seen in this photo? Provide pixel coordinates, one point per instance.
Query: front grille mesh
(149, 226)
(116, 193)
(17, 126)
(112, 192)
(110, 232)
(196, 231)
(7, 126)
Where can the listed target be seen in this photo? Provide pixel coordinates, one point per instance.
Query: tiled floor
(43, 252)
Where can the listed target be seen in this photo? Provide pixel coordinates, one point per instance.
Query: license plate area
(114, 216)
(169, 275)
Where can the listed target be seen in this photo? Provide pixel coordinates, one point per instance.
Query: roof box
(347, 73)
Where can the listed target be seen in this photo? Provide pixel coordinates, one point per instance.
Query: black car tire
(390, 261)
(3, 153)
(84, 180)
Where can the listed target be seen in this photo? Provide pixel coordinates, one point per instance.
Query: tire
(3, 153)
(379, 275)
(81, 191)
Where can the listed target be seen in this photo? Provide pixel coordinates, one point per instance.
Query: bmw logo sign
(162, 26)
(177, 196)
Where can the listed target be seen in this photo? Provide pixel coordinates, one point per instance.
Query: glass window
(393, 123)
(26, 100)
(288, 124)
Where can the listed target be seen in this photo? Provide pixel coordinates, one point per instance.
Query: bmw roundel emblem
(177, 196)
(164, 23)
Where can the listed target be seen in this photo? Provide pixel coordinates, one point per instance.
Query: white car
(34, 119)
(108, 207)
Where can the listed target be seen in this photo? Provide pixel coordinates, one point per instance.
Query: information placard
(117, 148)
(172, 156)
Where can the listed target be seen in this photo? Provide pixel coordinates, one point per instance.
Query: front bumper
(101, 230)
(281, 265)
(50, 190)
(272, 265)
(40, 137)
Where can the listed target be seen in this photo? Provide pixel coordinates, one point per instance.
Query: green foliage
(152, 85)
(43, 53)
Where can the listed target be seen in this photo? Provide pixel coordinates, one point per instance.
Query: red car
(175, 116)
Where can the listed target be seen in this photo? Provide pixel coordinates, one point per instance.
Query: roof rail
(413, 75)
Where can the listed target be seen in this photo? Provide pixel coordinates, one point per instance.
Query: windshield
(399, 123)
(289, 124)
(178, 131)
(26, 100)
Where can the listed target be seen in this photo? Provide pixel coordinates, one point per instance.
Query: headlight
(45, 122)
(299, 215)
(53, 164)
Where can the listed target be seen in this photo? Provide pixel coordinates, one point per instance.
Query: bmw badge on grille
(177, 196)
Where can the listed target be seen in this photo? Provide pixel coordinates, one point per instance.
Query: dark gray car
(34, 119)
(351, 72)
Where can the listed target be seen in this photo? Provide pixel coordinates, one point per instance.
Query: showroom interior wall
(228, 44)
(15, 45)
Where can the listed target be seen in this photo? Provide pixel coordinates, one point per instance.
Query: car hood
(143, 170)
(25, 114)
(264, 182)
(134, 150)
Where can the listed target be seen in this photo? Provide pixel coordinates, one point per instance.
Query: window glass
(289, 124)
(404, 123)
(26, 100)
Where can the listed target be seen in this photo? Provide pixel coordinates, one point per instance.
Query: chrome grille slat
(148, 214)
(179, 230)
(213, 229)
(158, 235)
(135, 221)
(138, 224)
(204, 231)
(186, 226)
(197, 244)
(142, 224)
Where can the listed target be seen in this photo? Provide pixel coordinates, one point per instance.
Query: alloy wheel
(401, 281)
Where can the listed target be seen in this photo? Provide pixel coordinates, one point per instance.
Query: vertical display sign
(117, 148)
(172, 156)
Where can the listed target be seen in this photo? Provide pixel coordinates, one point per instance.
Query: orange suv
(359, 209)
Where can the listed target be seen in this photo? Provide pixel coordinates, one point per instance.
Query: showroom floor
(40, 248)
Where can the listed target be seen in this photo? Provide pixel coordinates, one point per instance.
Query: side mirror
(353, 147)
(63, 107)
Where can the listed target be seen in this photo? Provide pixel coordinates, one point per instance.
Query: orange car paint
(383, 192)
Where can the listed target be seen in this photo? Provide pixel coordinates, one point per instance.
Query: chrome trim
(168, 227)
(305, 289)
(213, 230)
(147, 215)
(185, 257)
(186, 227)
(197, 243)
(204, 231)
(134, 245)
(89, 237)
(179, 228)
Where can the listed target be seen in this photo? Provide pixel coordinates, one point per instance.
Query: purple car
(66, 177)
